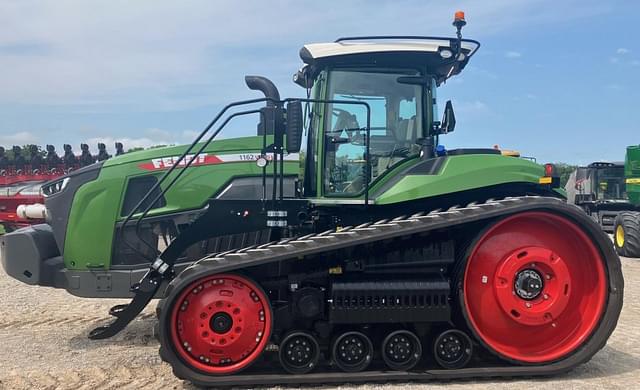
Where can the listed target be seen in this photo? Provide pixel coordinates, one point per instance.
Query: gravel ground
(43, 345)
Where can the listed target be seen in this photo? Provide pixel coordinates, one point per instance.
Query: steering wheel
(355, 186)
(401, 151)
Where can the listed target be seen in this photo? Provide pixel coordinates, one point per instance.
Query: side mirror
(294, 126)
(449, 119)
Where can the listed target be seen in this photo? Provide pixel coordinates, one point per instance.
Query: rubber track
(300, 247)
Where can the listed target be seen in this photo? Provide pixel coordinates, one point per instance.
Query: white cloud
(472, 107)
(474, 71)
(513, 54)
(128, 143)
(615, 87)
(155, 133)
(623, 50)
(118, 56)
(19, 138)
(190, 134)
(174, 55)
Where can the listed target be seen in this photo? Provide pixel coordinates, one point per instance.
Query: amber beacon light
(458, 19)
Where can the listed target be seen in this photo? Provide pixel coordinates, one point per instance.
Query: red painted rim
(221, 351)
(567, 310)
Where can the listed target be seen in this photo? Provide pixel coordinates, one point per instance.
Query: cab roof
(436, 53)
(606, 164)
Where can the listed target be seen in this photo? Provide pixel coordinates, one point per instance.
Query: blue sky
(555, 80)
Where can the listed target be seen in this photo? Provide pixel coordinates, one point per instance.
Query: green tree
(564, 170)
(138, 148)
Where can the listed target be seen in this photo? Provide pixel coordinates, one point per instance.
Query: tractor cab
(394, 79)
(599, 182)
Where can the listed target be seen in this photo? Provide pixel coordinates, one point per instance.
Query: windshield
(610, 184)
(396, 123)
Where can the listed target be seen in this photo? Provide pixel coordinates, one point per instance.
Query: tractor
(341, 243)
(610, 193)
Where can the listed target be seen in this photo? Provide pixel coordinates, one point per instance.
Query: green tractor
(610, 193)
(627, 223)
(341, 243)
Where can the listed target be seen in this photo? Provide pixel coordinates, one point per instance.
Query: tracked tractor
(341, 243)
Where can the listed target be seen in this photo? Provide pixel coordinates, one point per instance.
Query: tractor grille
(390, 301)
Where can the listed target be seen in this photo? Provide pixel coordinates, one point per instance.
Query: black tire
(627, 240)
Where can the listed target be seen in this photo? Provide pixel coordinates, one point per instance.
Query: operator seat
(405, 136)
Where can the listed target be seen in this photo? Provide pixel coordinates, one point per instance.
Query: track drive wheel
(534, 288)
(352, 351)
(299, 353)
(626, 234)
(453, 349)
(213, 325)
(401, 350)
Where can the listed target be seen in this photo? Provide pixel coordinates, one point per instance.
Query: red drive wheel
(220, 324)
(534, 288)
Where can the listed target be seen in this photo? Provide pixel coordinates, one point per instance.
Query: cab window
(396, 117)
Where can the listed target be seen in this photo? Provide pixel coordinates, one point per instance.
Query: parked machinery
(21, 179)
(357, 255)
(610, 194)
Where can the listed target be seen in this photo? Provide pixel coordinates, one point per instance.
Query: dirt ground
(43, 345)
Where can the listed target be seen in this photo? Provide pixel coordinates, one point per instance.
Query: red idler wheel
(534, 288)
(221, 323)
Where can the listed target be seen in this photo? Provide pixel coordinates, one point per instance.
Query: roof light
(459, 20)
(446, 53)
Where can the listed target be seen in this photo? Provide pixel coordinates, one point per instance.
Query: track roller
(352, 351)
(453, 349)
(401, 350)
(299, 353)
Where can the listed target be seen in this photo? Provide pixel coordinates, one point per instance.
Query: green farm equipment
(627, 223)
(610, 194)
(341, 243)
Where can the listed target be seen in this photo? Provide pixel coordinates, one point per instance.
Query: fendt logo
(207, 159)
(168, 162)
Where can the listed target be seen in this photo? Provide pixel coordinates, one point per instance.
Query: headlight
(55, 187)
(446, 53)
